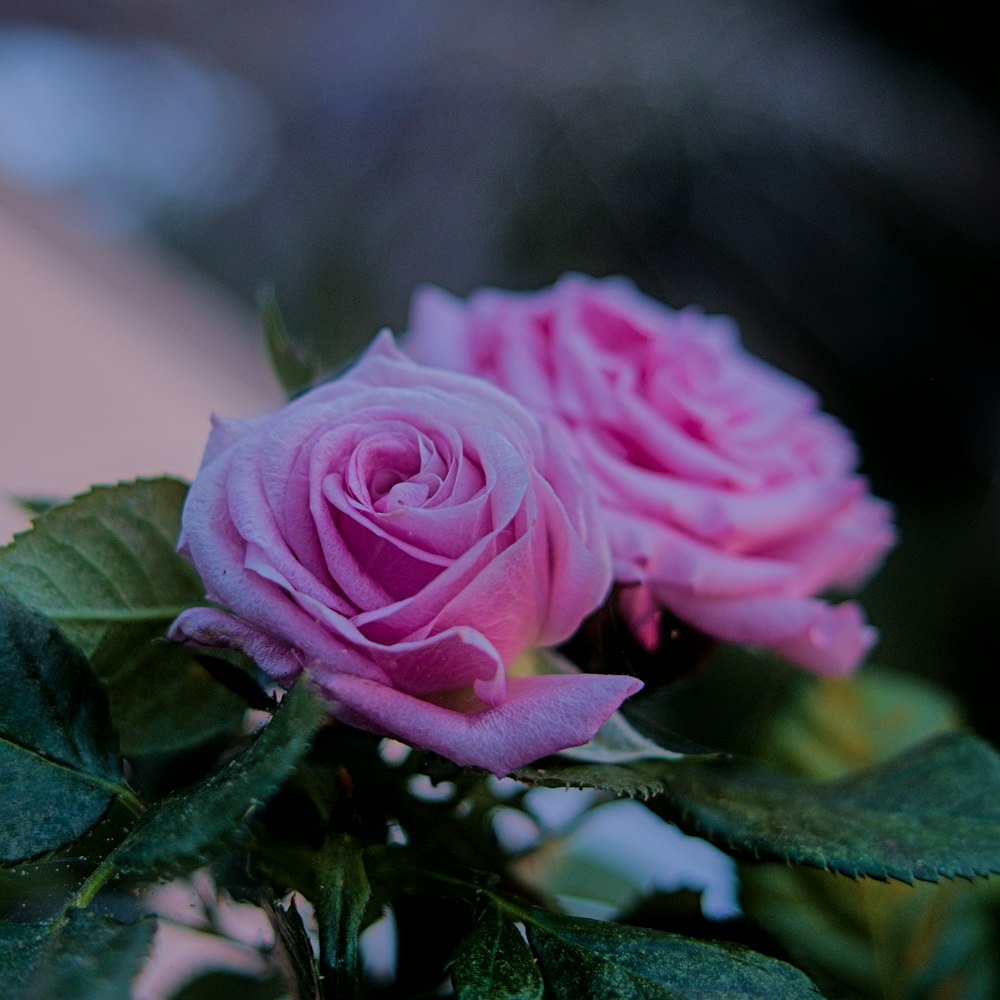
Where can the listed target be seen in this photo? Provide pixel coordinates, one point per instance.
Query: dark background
(824, 172)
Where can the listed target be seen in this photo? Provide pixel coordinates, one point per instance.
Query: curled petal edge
(541, 716)
(219, 630)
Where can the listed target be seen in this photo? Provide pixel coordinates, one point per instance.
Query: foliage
(319, 827)
(104, 569)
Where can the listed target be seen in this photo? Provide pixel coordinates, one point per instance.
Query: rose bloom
(729, 498)
(403, 534)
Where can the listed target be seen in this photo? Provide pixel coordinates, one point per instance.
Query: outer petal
(541, 715)
(216, 629)
(828, 639)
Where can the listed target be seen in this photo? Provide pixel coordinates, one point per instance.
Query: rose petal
(828, 639)
(218, 630)
(541, 715)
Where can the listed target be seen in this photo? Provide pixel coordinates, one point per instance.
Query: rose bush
(403, 534)
(729, 498)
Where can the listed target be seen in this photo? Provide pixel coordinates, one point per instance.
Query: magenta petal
(834, 643)
(824, 638)
(642, 613)
(541, 716)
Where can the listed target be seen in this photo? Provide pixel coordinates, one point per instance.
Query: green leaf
(90, 957)
(493, 962)
(833, 726)
(20, 947)
(295, 368)
(592, 960)
(103, 567)
(931, 812)
(870, 939)
(342, 898)
(179, 832)
(59, 763)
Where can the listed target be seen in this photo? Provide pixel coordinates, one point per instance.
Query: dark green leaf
(166, 701)
(293, 950)
(20, 947)
(591, 960)
(931, 812)
(493, 962)
(59, 763)
(103, 567)
(295, 368)
(90, 957)
(231, 986)
(343, 894)
(178, 833)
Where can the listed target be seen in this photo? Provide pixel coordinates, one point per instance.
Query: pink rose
(729, 498)
(403, 534)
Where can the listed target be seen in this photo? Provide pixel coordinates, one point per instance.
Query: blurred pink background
(113, 359)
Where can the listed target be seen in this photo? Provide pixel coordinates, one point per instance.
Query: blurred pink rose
(729, 498)
(403, 534)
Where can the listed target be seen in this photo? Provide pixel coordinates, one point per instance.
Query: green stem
(98, 879)
(130, 800)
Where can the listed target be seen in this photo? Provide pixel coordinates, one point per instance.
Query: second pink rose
(729, 497)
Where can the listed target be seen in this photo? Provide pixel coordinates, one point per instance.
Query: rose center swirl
(395, 469)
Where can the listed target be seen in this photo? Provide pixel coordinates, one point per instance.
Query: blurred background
(824, 172)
